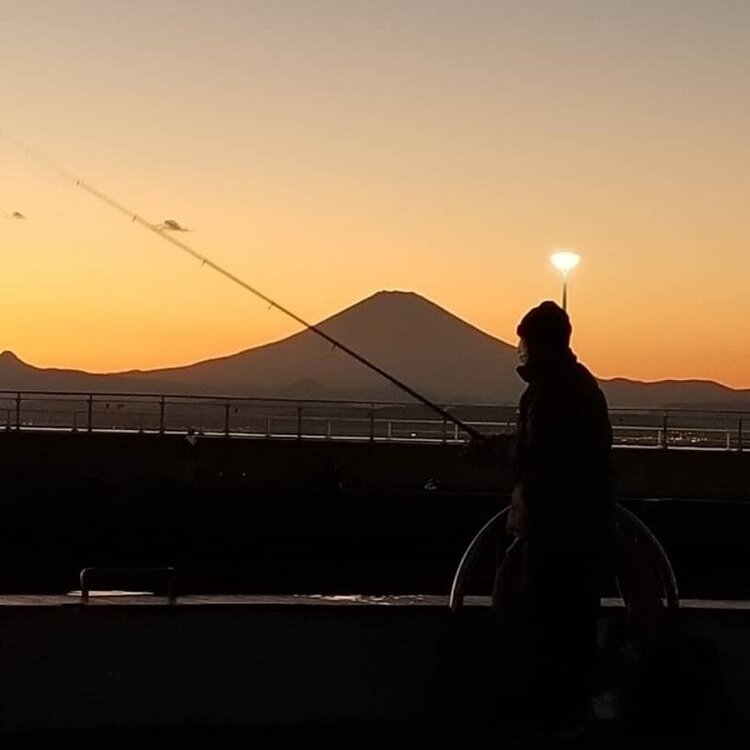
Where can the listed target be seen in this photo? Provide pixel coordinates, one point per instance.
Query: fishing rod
(205, 261)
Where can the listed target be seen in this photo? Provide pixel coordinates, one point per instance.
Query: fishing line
(205, 261)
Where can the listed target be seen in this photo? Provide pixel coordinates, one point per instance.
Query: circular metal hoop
(631, 530)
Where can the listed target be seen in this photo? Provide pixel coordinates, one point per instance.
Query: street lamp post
(565, 261)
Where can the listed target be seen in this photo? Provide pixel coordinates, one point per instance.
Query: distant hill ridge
(421, 344)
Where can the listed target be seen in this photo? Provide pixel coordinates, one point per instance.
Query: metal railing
(341, 420)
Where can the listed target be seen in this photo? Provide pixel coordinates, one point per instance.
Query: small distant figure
(191, 457)
(330, 476)
(432, 484)
(549, 583)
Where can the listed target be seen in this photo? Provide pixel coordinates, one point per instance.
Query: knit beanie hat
(546, 326)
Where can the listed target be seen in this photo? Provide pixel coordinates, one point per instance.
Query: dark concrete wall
(260, 516)
(195, 667)
(296, 464)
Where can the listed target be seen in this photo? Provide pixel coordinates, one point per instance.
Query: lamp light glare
(565, 260)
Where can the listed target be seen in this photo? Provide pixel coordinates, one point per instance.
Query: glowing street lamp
(565, 261)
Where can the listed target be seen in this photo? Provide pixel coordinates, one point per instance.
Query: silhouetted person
(548, 587)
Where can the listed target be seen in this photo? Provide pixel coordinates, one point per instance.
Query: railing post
(90, 413)
(18, 411)
(664, 433)
(445, 430)
(226, 420)
(372, 423)
(162, 407)
(739, 435)
(299, 422)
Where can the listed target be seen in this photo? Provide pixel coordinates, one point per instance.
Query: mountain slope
(422, 345)
(658, 394)
(414, 340)
(16, 375)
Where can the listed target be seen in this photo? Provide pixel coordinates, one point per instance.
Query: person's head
(544, 331)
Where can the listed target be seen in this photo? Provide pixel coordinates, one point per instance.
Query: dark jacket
(563, 491)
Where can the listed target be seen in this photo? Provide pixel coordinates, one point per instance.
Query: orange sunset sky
(323, 150)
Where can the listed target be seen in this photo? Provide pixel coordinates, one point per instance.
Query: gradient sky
(324, 150)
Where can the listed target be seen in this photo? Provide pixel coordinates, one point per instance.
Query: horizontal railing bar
(175, 398)
(342, 419)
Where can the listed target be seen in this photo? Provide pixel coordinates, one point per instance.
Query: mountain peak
(394, 293)
(394, 296)
(390, 299)
(9, 359)
(390, 313)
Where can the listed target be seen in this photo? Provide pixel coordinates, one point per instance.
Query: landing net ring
(634, 542)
